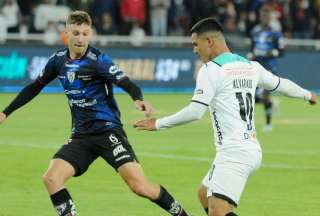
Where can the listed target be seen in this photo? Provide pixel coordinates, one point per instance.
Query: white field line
(179, 157)
(207, 159)
(204, 149)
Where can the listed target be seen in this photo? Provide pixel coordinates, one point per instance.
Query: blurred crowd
(295, 18)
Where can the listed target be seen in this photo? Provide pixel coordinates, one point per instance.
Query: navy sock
(63, 203)
(168, 203)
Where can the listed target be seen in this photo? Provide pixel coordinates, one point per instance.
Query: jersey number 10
(246, 108)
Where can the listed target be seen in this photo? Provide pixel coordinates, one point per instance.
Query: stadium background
(288, 181)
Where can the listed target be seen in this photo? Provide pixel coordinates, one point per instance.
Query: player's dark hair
(79, 17)
(206, 25)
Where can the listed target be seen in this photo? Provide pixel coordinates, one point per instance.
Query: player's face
(79, 38)
(201, 47)
(265, 18)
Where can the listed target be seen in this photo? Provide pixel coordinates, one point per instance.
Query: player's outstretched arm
(291, 89)
(194, 111)
(136, 94)
(146, 124)
(26, 95)
(284, 86)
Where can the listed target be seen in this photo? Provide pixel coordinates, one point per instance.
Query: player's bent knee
(138, 188)
(49, 179)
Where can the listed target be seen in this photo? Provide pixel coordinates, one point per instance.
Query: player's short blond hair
(79, 17)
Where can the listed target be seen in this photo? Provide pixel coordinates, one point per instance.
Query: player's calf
(133, 175)
(202, 196)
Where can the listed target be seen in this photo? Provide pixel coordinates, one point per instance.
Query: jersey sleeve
(108, 70)
(205, 88)
(266, 79)
(49, 72)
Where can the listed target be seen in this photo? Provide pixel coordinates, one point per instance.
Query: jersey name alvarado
(242, 83)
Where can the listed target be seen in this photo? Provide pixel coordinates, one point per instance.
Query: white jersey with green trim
(227, 84)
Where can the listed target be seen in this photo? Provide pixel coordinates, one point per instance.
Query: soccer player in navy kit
(87, 76)
(266, 46)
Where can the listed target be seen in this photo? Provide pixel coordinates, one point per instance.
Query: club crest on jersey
(114, 69)
(71, 76)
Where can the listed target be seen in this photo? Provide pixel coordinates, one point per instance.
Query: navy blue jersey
(264, 42)
(88, 85)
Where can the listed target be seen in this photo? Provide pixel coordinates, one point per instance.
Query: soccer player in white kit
(226, 83)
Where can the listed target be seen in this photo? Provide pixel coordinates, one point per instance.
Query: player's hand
(144, 106)
(146, 124)
(3, 117)
(313, 99)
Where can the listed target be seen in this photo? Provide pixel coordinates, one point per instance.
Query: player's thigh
(79, 153)
(60, 169)
(114, 147)
(132, 171)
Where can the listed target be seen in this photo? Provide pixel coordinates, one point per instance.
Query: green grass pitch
(288, 183)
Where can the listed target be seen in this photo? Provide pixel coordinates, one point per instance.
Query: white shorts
(226, 179)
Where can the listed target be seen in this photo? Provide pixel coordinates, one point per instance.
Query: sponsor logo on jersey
(71, 76)
(219, 132)
(73, 92)
(72, 65)
(82, 102)
(119, 149)
(85, 77)
(92, 56)
(249, 136)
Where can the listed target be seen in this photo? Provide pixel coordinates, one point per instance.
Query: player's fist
(144, 106)
(313, 99)
(3, 117)
(147, 124)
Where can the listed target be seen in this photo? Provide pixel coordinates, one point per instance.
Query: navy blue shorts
(112, 145)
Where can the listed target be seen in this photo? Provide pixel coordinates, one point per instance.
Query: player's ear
(210, 41)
